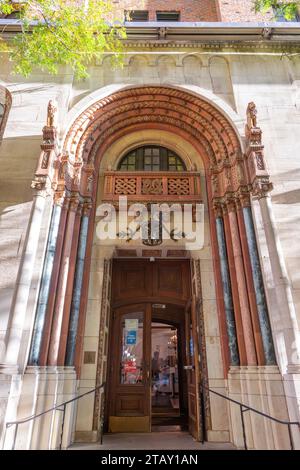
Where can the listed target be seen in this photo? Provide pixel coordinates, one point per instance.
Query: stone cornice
(217, 46)
(269, 36)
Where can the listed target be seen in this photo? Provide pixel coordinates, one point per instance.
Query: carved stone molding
(152, 186)
(257, 169)
(45, 173)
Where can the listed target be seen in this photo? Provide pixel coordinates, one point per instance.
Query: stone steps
(151, 441)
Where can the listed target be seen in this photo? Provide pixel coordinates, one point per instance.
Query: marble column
(250, 288)
(43, 356)
(45, 287)
(69, 288)
(19, 304)
(242, 288)
(234, 289)
(229, 310)
(62, 285)
(75, 307)
(259, 289)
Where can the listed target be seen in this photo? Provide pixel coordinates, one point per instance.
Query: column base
(262, 388)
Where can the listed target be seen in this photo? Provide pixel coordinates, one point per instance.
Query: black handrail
(244, 408)
(60, 407)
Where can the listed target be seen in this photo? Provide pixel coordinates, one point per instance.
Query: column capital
(217, 208)
(231, 204)
(74, 203)
(58, 198)
(261, 187)
(41, 186)
(87, 207)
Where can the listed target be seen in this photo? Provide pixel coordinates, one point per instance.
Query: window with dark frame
(136, 15)
(168, 16)
(151, 158)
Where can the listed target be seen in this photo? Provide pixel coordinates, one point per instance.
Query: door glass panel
(191, 354)
(165, 384)
(131, 371)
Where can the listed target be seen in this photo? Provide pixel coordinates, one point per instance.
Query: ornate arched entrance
(231, 175)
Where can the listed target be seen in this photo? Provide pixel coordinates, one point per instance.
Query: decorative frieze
(145, 186)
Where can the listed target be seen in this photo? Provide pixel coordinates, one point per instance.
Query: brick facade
(190, 10)
(240, 11)
(196, 10)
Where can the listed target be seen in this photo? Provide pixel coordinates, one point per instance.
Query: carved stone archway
(230, 177)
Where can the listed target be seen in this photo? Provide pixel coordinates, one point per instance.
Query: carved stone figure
(251, 115)
(52, 113)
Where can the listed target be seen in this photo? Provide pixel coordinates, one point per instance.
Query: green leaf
(281, 8)
(64, 33)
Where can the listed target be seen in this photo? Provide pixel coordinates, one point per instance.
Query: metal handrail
(244, 408)
(60, 407)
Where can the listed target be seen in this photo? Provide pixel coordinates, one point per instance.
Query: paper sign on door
(131, 324)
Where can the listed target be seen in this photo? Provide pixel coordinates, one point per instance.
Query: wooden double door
(133, 375)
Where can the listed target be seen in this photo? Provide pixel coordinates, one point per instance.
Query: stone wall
(230, 80)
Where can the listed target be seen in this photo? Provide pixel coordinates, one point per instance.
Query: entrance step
(151, 441)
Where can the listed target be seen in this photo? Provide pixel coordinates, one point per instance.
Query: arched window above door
(151, 158)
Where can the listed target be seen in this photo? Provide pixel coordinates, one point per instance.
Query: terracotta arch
(182, 113)
(162, 107)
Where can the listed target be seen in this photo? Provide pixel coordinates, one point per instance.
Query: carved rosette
(152, 186)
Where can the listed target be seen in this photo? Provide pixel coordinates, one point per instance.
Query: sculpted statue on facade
(52, 112)
(251, 115)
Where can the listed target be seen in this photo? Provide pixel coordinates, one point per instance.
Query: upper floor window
(151, 158)
(167, 15)
(136, 15)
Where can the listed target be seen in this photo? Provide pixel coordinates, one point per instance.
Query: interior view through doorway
(153, 380)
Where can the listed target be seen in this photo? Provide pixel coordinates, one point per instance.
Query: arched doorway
(154, 371)
(226, 278)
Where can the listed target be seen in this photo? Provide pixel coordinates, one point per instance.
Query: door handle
(189, 367)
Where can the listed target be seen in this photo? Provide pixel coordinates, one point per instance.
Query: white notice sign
(131, 324)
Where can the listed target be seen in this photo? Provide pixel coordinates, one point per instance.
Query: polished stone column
(242, 288)
(259, 289)
(75, 307)
(229, 310)
(62, 284)
(69, 288)
(45, 287)
(43, 356)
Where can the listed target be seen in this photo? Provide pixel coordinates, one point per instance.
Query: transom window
(151, 158)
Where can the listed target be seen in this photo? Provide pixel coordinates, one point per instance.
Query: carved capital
(74, 202)
(87, 207)
(230, 204)
(261, 187)
(41, 186)
(217, 208)
(59, 198)
(243, 198)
